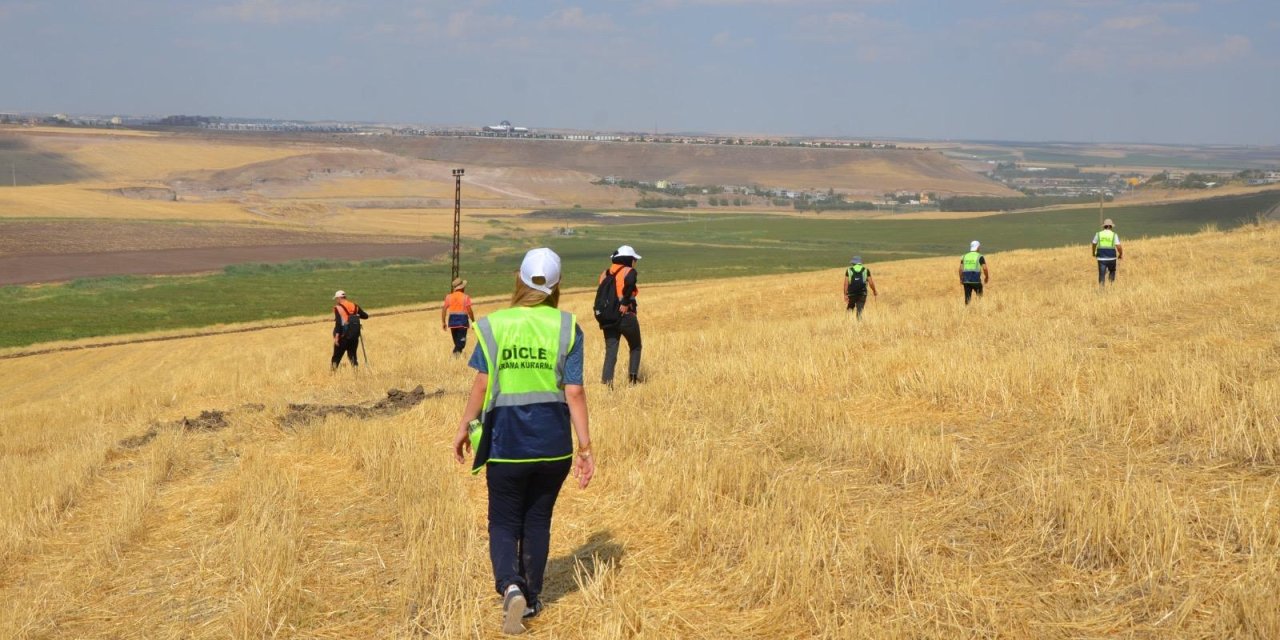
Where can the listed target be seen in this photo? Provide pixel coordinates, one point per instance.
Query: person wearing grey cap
(857, 278)
(1107, 249)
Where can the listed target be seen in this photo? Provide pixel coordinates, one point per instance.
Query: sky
(1202, 71)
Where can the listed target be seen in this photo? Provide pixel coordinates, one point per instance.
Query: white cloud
(1129, 23)
(726, 40)
(1204, 55)
(281, 11)
(841, 26)
(574, 18)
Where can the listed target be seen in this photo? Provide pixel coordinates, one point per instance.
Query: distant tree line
(833, 205)
(998, 203)
(665, 203)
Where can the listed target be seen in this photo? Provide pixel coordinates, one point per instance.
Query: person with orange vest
(456, 315)
(346, 329)
(627, 325)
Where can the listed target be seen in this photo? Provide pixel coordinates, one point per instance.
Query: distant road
(59, 267)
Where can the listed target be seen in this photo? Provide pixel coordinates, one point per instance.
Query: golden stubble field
(1051, 462)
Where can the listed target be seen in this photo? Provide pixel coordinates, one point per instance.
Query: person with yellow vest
(1107, 249)
(973, 271)
(857, 278)
(456, 315)
(616, 312)
(346, 329)
(529, 398)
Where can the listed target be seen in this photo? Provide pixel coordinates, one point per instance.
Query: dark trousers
(857, 302)
(521, 498)
(628, 327)
(459, 338)
(347, 346)
(971, 288)
(1104, 268)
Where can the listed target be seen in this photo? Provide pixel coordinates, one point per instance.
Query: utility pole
(457, 219)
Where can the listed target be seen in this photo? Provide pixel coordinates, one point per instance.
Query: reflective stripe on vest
(525, 328)
(971, 261)
(1106, 239)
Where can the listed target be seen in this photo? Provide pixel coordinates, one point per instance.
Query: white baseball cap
(544, 263)
(339, 294)
(625, 251)
(973, 246)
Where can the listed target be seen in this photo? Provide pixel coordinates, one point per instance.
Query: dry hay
(1051, 462)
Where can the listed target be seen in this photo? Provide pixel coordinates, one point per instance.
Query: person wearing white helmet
(973, 271)
(529, 400)
(346, 329)
(615, 309)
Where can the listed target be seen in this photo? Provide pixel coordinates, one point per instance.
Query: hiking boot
(633, 380)
(513, 607)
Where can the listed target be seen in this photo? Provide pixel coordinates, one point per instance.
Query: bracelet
(584, 454)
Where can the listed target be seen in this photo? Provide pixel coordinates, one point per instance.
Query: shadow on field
(599, 550)
(26, 165)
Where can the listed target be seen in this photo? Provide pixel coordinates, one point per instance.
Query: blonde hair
(526, 296)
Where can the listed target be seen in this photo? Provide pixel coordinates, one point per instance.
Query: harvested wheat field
(1052, 462)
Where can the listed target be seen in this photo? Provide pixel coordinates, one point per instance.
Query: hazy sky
(1087, 70)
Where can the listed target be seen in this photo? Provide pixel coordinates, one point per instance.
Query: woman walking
(529, 397)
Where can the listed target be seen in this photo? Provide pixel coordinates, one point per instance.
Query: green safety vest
(1106, 239)
(970, 261)
(525, 349)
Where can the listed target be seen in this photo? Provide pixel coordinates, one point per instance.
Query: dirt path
(68, 266)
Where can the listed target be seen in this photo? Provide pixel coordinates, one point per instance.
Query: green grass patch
(700, 247)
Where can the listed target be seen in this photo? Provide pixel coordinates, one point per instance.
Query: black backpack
(606, 304)
(857, 281)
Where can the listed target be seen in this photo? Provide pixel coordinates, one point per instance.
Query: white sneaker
(513, 606)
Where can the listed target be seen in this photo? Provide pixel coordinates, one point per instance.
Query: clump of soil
(397, 401)
(214, 420)
(133, 442)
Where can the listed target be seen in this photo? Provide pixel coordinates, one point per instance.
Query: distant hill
(870, 171)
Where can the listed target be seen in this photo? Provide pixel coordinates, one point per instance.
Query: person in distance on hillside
(456, 315)
(1107, 249)
(857, 278)
(616, 312)
(529, 396)
(973, 271)
(346, 329)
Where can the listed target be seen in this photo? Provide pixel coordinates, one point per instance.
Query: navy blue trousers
(521, 498)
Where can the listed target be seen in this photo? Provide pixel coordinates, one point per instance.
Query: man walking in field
(346, 329)
(857, 278)
(1107, 249)
(973, 271)
(615, 311)
(456, 315)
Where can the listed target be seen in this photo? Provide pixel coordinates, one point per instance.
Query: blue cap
(856, 260)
